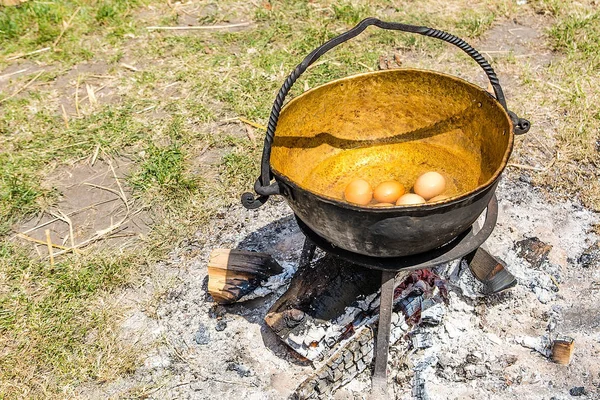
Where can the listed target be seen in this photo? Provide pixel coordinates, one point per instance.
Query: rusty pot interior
(392, 124)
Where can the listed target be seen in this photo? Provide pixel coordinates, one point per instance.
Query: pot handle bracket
(263, 186)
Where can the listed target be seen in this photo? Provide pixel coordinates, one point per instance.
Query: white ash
(471, 323)
(502, 330)
(433, 315)
(540, 344)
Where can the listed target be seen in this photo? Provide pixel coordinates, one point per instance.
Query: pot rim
(453, 200)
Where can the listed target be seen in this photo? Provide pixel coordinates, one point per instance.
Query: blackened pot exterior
(390, 114)
(393, 232)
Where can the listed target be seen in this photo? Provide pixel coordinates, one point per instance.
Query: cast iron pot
(391, 124)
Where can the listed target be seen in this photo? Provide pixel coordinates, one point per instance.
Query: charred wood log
(233, 274)
(312, 314)
(534, 251)
(352, 357)
(490, 271)
(329, 315)
(416, 293)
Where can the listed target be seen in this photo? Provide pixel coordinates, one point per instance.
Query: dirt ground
(91, 201)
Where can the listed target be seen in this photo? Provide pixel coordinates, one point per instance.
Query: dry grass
(172, 101)
(574, 91)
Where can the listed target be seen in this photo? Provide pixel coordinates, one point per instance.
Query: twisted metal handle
(263, 185)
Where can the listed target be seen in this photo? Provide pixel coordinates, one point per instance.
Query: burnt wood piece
(562, 350)
(533, 250)
(234, 273)
(319, 294)
(416, 292)
(350, 360)
(490, 271)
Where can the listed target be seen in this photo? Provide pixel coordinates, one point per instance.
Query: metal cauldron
(392, 124)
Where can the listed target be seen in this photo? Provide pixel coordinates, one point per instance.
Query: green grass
(48, 311)
(579, 36)
(350, 13)
(473, 24)
(576, 34)
(19, 193)
(163, 171)
(37, 24)
(240, 168)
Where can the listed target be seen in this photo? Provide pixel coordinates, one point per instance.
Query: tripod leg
(308, 252)
(383, 334)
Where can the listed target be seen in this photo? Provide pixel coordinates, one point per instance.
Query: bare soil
(90, 199)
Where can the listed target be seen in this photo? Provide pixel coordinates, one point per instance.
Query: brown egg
(388, 192)
(429, 185)
(384, 205)
(410, 199)
(441, 197)
(358, 192)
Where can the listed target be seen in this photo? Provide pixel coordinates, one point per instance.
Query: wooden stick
(99, 235)
(17, 56)
(65, 27)
(90, 94)
(254, 124)
(2, 77)
(250, 135)
(93, 92)
(365, 66)
(119, 185)
(65, 116)
(558, 87)
(532, 168)
(45, 243)
(95, 156)
(146, 109)
(49, 243)
(69, 214)
(129, 67)
(102, 187)
(65, 240)
(332, 62)
(553, 279)
(65, 218)
(196, 28)
(23, 88)
(77, 96)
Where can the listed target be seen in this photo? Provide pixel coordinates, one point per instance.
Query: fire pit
(465, 244)
(397, 123)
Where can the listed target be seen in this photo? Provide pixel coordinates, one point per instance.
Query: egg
(384, 205)
(388, 192)
(410, 199)
(441, 197)
(429, 185)
(359, 192)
